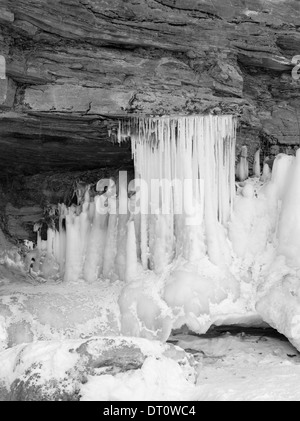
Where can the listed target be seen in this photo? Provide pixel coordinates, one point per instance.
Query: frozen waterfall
(182, 195)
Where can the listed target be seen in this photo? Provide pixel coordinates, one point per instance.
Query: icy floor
(244, 368)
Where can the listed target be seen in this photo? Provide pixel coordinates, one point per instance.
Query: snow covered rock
(278, 300)
(69, 370)
(278, 293)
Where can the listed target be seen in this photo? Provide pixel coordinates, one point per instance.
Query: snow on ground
(112, 368)
(224, 368)
(157, 380)
(244, 368)
(229, 369)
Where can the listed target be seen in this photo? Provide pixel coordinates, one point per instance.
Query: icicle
(57, 246)
(242, 167)
(93, 265)
(289, 227)
(121, 247)
(131, 252)
(39, 240)
(199, 154)
(62, 238)
(111, 241)
(122, 226)
(73, 265)
(266, 175)
(73, 254)
(85, 228)
(256, 165)
(37, 228)
(50, 241)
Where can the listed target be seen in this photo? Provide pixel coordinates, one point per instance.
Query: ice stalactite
(289, 223)
(256, 164)
(242, 170)
(93, 265)
(37, 228)
(131, 253)
(266, 174)
(122, 242)
(241, 231)
(111, 241)
(187, 164)
(181, 198)
(276, 187)
(186, 169)
(50, 241)
(73, 251)
(62, 239)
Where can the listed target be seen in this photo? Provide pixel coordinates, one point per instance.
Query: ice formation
(264, 232)
(242, 170)
(183, 195)
(185, 185)
(97, 369)
(185, 245)
(186, 170)
(256, 164)
(164, 234)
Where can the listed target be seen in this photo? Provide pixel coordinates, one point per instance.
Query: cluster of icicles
(100, 241)
(242, 168)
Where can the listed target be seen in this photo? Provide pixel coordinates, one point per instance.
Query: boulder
(68, 370)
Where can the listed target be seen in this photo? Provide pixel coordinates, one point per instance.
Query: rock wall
(25, 201)
(97, 58)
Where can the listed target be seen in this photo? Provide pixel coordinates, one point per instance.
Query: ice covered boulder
(278, 294)
(278, 300)
(96, 369)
